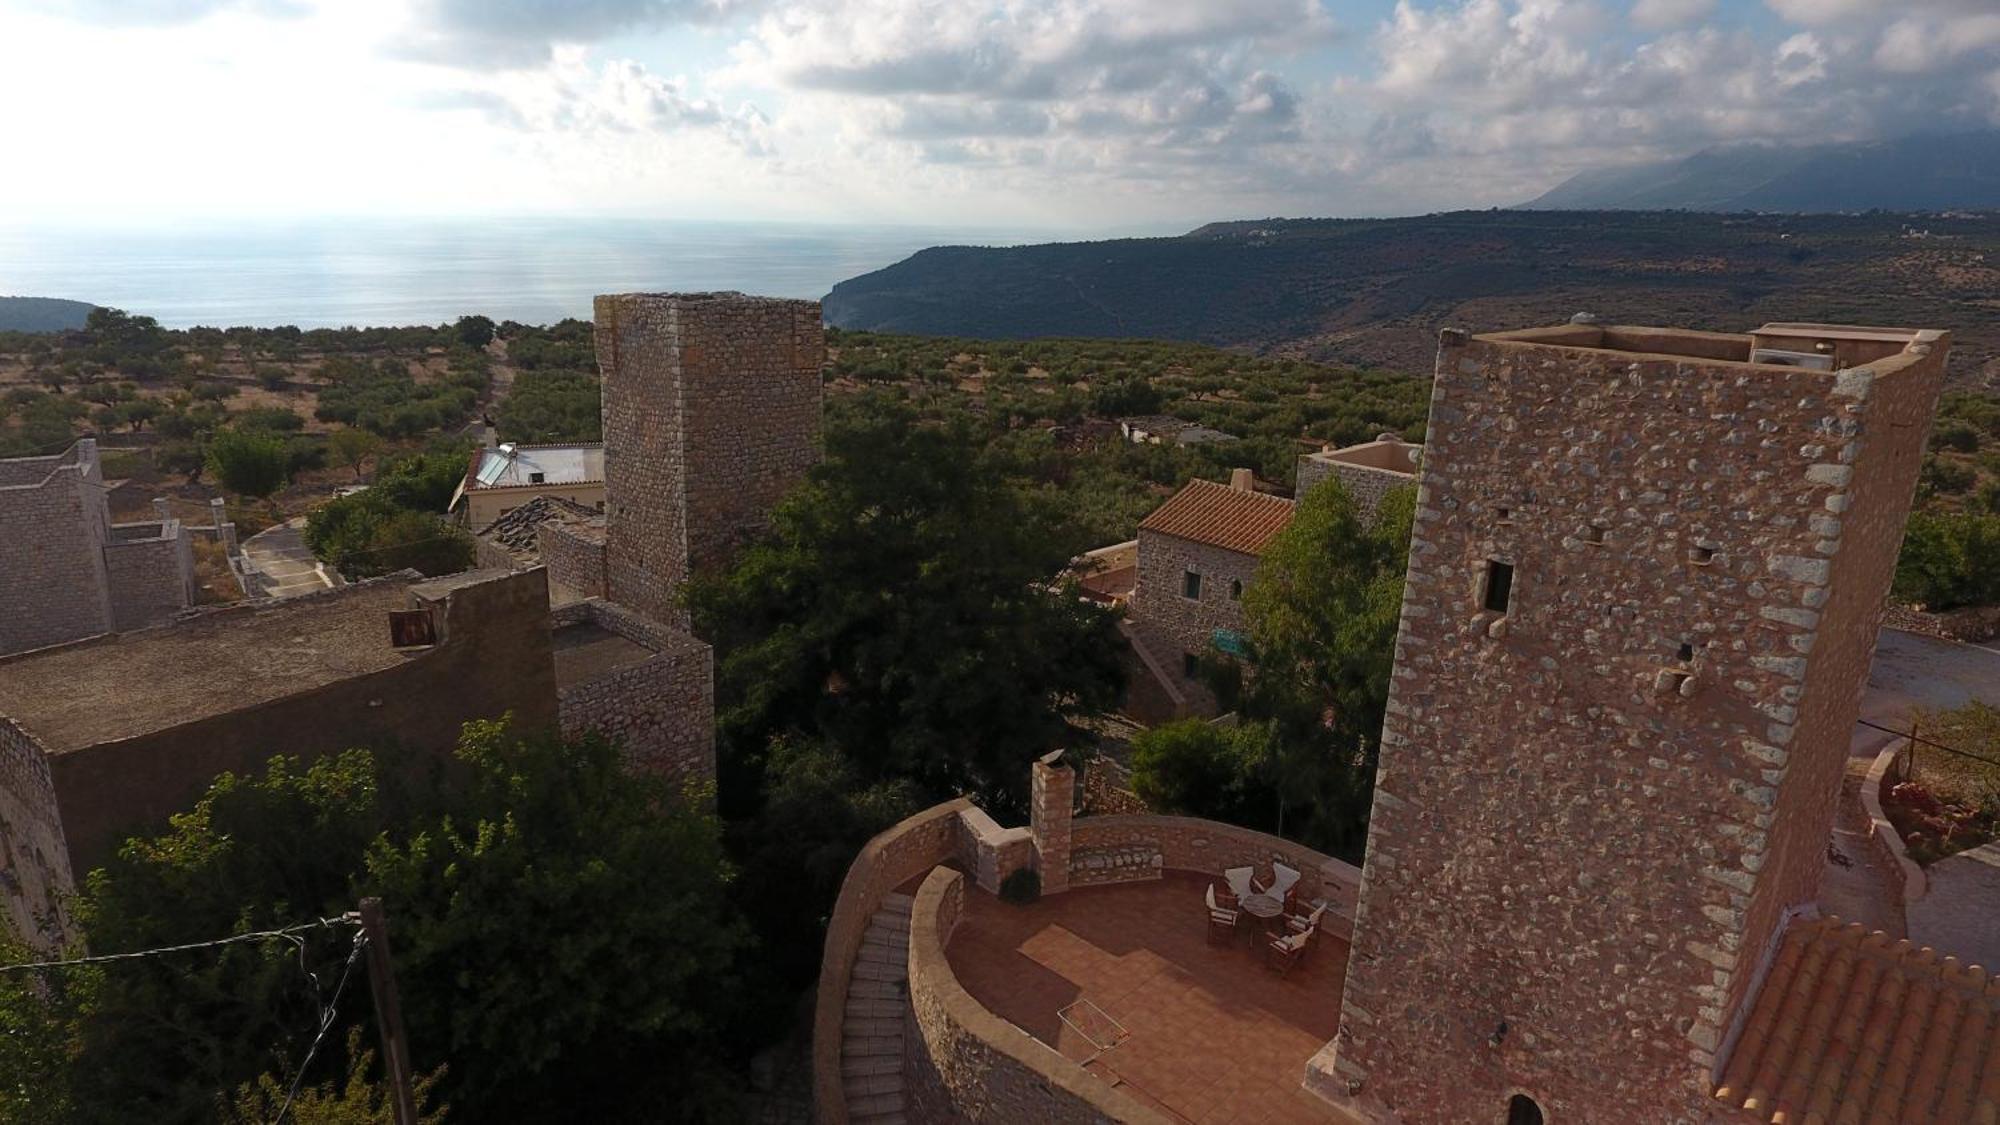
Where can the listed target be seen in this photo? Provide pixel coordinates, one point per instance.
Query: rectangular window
(1190, 665)
(1499, 585)
(537, 478)
(1191, 584)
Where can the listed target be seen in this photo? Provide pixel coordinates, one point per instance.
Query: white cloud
(1663, 15)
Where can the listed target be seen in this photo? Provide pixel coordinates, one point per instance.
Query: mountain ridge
(42, 314)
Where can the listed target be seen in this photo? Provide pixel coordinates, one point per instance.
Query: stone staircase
(871, 1039)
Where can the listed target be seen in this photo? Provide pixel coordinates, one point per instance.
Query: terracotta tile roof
(1220, 516)
(1852, 1025)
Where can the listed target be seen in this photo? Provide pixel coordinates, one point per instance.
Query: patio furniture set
(1267, 912)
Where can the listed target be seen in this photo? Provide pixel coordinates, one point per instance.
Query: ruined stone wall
(53, 525)
(711, 414)
(495, 659)
(575, 561)
(150, 569)
(1573, 810)
(1366, 485)
(661, 710)
(1157, 600)
(963, 1063)
(34, 860)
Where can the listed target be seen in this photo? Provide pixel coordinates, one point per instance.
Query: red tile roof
(1220, 516)
(1854, 1026)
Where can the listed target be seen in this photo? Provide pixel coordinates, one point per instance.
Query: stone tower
(711, 414)
(1643, 592)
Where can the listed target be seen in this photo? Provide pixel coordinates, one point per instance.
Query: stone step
(875, 1085)
(879, 1104)
(876, 989)
(871, 1064)
(881, 970)
(862, 1047)
(897, 904)
(868, 1007)
(872, 1026)
(882, 953)
(890, 919)
(878, 929)
(896, 1118)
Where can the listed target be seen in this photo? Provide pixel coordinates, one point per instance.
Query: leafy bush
(1949, 560)
(254, 463)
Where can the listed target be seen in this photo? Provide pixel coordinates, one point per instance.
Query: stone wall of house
(34, 863)
(1164, 561)
(150, 570)
(53, 526)
(495, 658)
(963, 1063)
(1367, 485)
(711, 414)
(574, 557)
(661, 710)
(898, 854)
(1594, 808)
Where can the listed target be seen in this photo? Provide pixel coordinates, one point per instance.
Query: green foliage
(1196, 768)
(474, 331)
(353, 448)
(254, 463)
(395, 523)
(359, 1099)
(277, 419)
(1949, 560)
(551, 406)
(1956, 434)
(900, 613)
(565, 944)
(1021, 886)
(385, 398)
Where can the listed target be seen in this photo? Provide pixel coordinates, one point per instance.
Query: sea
(331, 273)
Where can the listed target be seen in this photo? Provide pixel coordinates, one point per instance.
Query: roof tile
(1220, 516)
(1853, 1026)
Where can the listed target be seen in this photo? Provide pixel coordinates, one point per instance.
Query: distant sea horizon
(334, 273)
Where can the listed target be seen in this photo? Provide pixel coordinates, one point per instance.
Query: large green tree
(902, 613)
(250, 462)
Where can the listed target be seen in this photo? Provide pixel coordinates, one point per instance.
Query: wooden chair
(1283, 954)
(1222, 919)
(1300, 923)
(1284, 884)
(1241, 882)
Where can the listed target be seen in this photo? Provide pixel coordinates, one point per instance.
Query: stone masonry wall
(53, 524)
(1573, 829)
(152, 577)
(660, 710)
(1157, 600)
(1366, 485)
(575, 561)
(34, 862)
(1211, 847)
(711, 414)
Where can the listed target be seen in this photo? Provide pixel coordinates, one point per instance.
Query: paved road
(280, 553)
(1961, 914)
(1912, 670)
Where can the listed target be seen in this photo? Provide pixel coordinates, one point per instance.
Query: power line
(326, 1018)
(287, 933)
(1914, 737)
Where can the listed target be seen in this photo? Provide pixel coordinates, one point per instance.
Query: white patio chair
(1309, 922)
(1239, 882)
(1221, 920)
(1283, 880)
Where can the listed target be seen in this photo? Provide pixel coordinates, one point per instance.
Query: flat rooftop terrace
(123, 685)
(1211, 1035)
(585, 650)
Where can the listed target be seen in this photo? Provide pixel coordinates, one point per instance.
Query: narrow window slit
(1499, 585)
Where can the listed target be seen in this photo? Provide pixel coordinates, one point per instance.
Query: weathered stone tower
(1643, 593)
(711, 413)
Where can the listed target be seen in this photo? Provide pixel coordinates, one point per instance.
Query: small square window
(1499, 585)
(1236, 589)
(1504, 515)
(1701, 556)
(1592, 534)
(537, 478)
(1191, 584)
(1686, 653)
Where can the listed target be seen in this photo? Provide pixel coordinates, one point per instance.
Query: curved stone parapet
(1208, 847)
(900, 853)
(1888, 842)
(963, 1063)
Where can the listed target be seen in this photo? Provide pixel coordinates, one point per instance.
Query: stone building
(1370, 470)
(716, 396)
(1197, 554)
(501, 478)
(69, 571)
(108, 735)
(1644, 586)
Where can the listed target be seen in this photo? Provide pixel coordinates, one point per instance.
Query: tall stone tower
(711, 413)
(1643, 592)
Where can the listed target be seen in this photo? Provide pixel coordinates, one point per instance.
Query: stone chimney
(1051, 805)
(1243, 480)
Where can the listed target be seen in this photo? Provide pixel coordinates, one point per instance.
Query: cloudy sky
(1054, 113)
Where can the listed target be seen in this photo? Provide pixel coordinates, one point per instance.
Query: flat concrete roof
(585, 650)
(79, 695)
(517, 466)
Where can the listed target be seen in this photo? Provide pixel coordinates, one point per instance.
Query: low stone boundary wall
(1095, 867)
(1209, 847)
(963, 1063)
(1887, 841)
(900, 853)
(991, 852)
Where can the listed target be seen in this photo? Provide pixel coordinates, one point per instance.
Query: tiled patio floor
(1212, 1035)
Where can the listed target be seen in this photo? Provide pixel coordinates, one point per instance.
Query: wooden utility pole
(388, 1012)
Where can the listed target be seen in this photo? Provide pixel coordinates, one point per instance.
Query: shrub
(1022, 887)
